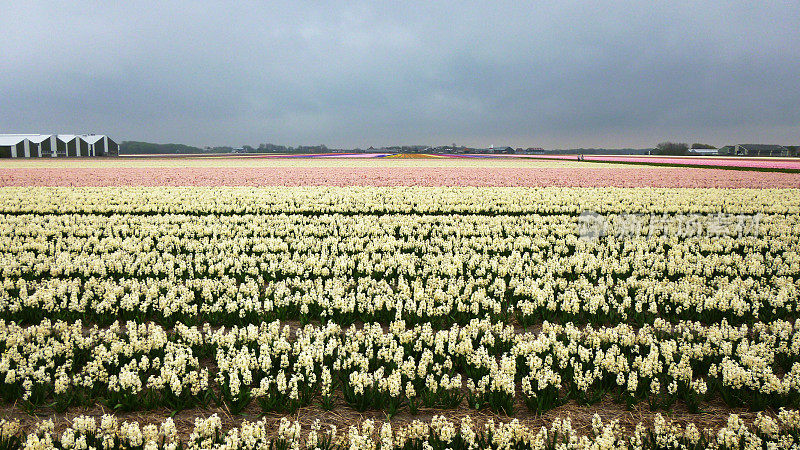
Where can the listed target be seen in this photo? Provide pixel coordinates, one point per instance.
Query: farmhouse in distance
(56, 145)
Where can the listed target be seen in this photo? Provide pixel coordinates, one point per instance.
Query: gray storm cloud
(347, 74)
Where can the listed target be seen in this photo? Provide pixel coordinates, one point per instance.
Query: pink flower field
(621, 176)
(743, 162)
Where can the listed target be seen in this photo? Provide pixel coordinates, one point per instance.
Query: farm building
(11, 146)
(704, 151)
(495, 150)
(40, 145)
(100, 145)
(754, 150)
(56, 145)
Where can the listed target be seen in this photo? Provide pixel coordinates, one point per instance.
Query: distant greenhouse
(754, 150)
(56, 145)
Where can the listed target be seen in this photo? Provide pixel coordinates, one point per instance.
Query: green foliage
(672, 148)
(149, 148)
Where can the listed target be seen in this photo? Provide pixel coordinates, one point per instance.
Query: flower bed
(400, 301)
(589, 176)
(714, 161)
(439, 433)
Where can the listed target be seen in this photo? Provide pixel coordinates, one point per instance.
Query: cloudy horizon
(356, 74)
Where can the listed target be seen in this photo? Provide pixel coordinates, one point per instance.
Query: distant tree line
(680, 148)
(600, 151)
(672, 148)
(148, 148)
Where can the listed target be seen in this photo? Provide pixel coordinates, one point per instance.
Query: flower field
(554, 173)
(258, 171)
(748, 162)
(312, 315)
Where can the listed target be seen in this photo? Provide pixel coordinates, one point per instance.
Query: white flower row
(778, 432)
(403, 200)
(147, 365)
(441, 268)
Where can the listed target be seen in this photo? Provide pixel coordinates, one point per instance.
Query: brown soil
(713, 415)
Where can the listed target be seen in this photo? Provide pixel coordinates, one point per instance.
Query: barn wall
(52, 146)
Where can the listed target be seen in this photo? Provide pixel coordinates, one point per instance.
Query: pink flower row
(400, 176)
(744, 162)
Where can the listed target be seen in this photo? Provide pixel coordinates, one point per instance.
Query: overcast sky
(346, 74)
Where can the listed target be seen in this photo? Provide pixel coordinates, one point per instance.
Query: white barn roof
(16, 138)
(38, 138)
(45, 145)
(92, 138)
(11, 139)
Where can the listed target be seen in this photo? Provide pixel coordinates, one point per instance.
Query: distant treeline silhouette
(148, 148)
